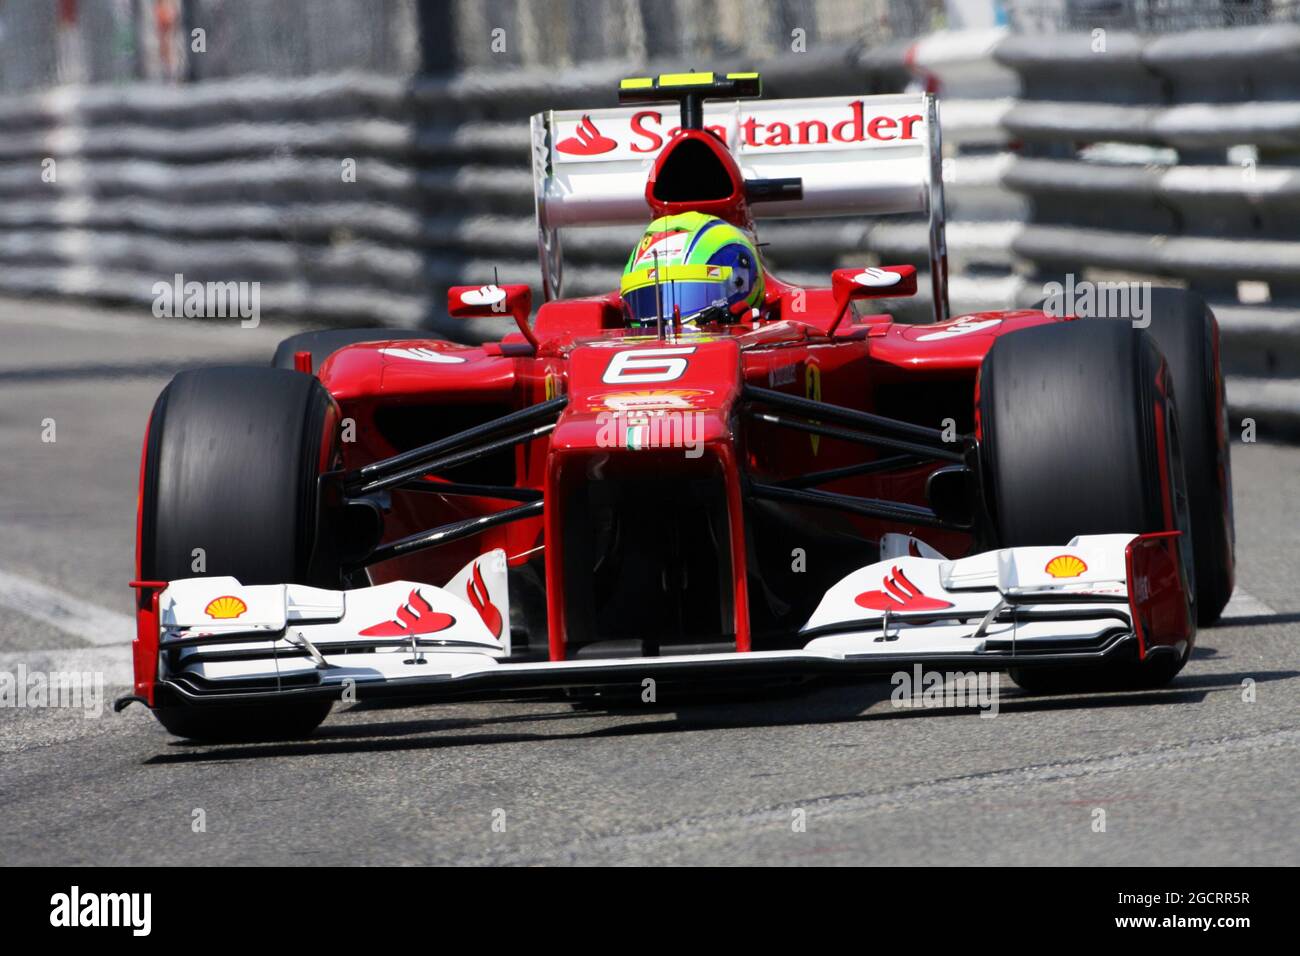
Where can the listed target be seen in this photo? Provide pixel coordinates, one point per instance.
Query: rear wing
(855, 156)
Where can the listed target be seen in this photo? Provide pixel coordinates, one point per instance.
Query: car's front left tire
(1079, 434)
(1187, 334)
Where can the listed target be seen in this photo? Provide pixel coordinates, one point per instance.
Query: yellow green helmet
(693, 262)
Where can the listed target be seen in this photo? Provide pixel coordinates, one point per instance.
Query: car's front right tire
(229, 488)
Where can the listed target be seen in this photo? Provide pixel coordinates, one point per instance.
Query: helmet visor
(648, 294)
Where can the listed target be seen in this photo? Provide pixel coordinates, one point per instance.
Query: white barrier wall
(360, 197)
(1175, 157)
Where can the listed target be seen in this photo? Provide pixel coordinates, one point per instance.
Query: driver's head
(694, 262)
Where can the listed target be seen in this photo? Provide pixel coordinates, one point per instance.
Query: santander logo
(792, 130)
(899, 594)
(764, 128)
(586, 141)
(416, 616)
(877, 278)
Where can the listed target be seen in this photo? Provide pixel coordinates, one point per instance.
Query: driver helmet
(693, 262)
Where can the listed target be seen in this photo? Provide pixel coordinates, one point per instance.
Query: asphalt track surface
(1193, 774)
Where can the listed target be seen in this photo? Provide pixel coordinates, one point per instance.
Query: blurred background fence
(355, 157)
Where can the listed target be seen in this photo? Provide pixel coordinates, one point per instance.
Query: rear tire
(231, 468)
(1187, 334)
(1070, 446)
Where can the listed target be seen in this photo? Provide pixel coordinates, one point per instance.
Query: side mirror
(870, 283)
(485, 301)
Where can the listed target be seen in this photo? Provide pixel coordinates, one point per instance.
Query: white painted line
(89, 622)
(1243, 604)
(112, 664)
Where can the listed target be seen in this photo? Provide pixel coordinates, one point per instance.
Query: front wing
(215, 641)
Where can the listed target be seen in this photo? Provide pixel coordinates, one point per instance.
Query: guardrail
(359, 198)
(349, 198)
(1175, 157)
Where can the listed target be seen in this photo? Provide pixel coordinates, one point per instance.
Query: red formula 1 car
(702, 496)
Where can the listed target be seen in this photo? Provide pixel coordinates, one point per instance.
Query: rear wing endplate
(855, 155)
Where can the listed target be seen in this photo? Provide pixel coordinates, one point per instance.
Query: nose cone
(642, 484)
(662, 397)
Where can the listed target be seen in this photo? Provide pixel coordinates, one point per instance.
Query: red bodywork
(872, 364)
(684, 387)
(651, 456)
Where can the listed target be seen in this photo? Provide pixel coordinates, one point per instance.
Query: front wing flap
(1019, 607)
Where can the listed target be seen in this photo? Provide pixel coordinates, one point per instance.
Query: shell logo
(225, 607)
(648, 400)
(1065, 566)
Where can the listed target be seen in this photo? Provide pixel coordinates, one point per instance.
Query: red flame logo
(482, 602)
(900, 594)
(587, 141)
(416, 616)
